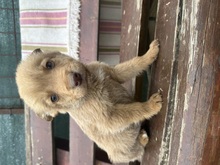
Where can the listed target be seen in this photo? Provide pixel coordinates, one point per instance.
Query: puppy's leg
(143, 138)
(129, 69)
(123, 115)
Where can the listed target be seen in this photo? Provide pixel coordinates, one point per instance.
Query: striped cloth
(50, 25)
(110, 31)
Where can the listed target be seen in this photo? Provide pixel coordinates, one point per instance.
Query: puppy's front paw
(154, 44)
(154, 49)
(152, 53)
(155, 102)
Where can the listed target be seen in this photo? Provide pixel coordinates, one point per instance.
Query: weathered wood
(211, 61)
(130, 34)
(134, 38)
(186, 131)
(39, 140)
(89, 18)
(28, 135)
(81, 148)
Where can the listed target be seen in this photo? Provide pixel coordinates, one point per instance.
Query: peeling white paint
(138, 4)
(138, 28)
(167, 3)
(184, 42)
(194, 33)
(190, 25)
(124, 12)
(163, 148)
(129, 28)
(176, 94)
(181, 139)
(185, 108)
(40, 160)
(128, 44)
(164, 156)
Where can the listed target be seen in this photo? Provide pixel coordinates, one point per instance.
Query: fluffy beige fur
(52, 83)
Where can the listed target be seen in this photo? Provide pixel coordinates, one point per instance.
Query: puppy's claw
(160, 90)
(154, 43)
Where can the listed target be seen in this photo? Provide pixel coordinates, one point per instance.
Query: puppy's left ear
(45, 116)
(48, 118)
(37, 51)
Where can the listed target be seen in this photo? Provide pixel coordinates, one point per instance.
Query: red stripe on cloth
(43, 22)
(43, 14)
(43, 18)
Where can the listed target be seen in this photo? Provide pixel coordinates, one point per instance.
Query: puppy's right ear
(45, 116)
(37, 51)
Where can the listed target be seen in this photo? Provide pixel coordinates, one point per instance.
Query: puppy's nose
(77, 79)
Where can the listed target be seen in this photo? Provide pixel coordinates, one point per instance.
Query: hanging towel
(50, 25)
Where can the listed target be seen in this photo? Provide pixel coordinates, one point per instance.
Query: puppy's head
(51, 82)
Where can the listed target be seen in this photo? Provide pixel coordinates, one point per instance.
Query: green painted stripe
(32, 27)
(43, 9)
(49, 48)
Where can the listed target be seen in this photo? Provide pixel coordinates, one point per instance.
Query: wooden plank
(28, 136)
(39, 140)
(89, 18)
(211, 149)
(130, 34)
(81, 148)
(161, 77)
(188, 72)
(133, 37)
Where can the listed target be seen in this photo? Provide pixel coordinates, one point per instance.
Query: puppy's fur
(52, 83)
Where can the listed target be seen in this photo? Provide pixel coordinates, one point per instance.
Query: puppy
(52, 83)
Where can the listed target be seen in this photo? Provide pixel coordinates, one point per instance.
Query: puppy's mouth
(77, 79)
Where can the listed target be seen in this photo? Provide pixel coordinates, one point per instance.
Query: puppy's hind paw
(143, 138)
(152, 53)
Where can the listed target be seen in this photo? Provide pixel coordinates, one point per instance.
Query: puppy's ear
(45, 116)
(37, 51)
(48, 118)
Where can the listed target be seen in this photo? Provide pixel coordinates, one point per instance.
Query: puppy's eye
(54, 98)
(50, 64)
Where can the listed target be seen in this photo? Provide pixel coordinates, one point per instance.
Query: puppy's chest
(101, 101)
(110, 90)
(117, 94)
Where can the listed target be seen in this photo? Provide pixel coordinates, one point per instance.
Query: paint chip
(129, 28)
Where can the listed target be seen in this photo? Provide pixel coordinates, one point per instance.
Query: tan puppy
(52, 83)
